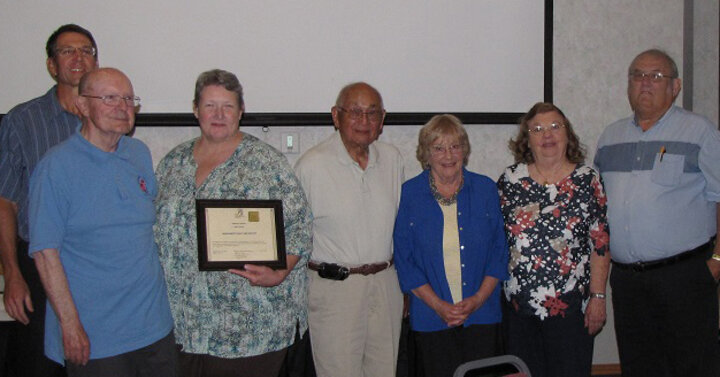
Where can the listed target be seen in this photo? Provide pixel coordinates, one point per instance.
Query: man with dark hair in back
(26, 133)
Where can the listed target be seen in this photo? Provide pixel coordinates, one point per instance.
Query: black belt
(651, 265)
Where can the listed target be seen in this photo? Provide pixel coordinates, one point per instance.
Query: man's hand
(52, 275)
(17, 294)
(595, 315)
(17, 298)
(714, 267)
(75, 343)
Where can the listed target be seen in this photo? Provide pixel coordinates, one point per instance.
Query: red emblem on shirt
(143, 185)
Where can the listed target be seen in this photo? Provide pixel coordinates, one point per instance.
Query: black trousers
(554, 347)
(439, 353)
(25, 348)
(666, 319)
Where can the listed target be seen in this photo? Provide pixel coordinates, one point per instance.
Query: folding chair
(516, 362)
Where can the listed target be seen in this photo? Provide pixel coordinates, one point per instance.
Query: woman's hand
(261, 276)
(468, 306)
(449, 313)
(595, 315)
(464, 308)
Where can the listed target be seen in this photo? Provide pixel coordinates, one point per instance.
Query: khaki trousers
(355, 324)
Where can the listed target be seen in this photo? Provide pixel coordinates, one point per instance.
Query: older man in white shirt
(353, 185)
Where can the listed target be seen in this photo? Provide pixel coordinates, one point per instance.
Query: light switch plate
(290, 142)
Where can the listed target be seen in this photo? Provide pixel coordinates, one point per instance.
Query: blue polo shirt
(97, 209)
(660, 204)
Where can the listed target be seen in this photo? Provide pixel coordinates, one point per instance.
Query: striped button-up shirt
(26, 133)
(662, 185)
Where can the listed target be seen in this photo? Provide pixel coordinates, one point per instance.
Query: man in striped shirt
(26, 133)
(662, 178)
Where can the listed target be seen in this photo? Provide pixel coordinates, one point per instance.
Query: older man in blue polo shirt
(91, 219)
(661, 169)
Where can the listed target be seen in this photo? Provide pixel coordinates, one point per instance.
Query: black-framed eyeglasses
(539, 128)
(357, 114)
(654, 77)
(114, 99)
(70, 51)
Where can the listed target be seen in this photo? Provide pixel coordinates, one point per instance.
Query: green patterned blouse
(218, 313)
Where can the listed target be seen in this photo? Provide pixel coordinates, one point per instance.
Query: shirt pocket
(667, 172)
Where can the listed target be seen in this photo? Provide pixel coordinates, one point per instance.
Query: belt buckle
(365, 269)
(639, 266)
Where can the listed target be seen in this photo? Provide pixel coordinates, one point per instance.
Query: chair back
(513, 360)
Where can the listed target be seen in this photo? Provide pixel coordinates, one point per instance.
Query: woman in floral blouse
(555, 220)
(243, 321)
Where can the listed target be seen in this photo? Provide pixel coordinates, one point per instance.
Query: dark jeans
(554, 347)
(25, 347)
(155, 360)
(666, 320)
(441, 352)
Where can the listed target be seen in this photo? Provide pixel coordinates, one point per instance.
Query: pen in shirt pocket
(662, 152)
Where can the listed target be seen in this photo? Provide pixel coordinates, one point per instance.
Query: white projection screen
(474, 57)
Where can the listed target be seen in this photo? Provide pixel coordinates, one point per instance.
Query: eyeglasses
(70, 51)
(654, 77)
(114, 99)
(357, 114)
(438, 150)
(539, 128)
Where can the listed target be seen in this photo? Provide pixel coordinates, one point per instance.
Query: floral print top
(551, 232)
(218, 313)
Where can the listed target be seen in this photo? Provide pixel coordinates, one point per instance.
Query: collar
(56, 109)
(122, 151)
(344, 157)
(657, 124)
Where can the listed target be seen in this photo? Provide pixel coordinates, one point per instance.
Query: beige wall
(594, 42)
(705, 83)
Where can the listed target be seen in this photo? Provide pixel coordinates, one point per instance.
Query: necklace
(441, 199)
(546, 182)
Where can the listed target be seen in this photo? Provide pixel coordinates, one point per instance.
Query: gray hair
(658, 54)
(221, 78)
(436, 127)
(342, 96)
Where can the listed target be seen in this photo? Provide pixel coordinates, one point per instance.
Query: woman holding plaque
(450, 252)
(239, 322)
